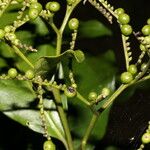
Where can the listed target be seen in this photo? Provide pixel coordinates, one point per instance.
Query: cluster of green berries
(124, 20)
(12, 73)
(34, 10)
(104, 93)
(128, 76)
(49, 145)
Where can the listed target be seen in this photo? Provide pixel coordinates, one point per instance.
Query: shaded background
(128, 120)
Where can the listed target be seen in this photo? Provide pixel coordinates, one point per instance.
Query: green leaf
(16, 100)
(48, 63)
(93, 29)
(11, 14)
(43, 50)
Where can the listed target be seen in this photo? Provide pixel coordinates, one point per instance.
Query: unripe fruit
(70, 92)
(132, 69)
(146, 138)
(105, 92)
(49, 145)
(142, 47)
(37, 6)
(124, 18)
(12, 73)
(147, 40)
(33, 13)
(148, 21)
(53, 6)
(119, 11)
(146, 30)
(126, 77)
(29, 74)
(126, 29)
(73, 24)
(92, 96)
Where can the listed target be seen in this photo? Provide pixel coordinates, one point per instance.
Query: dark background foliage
(128, 118)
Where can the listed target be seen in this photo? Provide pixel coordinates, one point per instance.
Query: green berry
(70, 92)
(53, 6)
(142, 47)
(119, 11)
(146, 30)
(126, 29)
(29, 74)
(37, 6)
(19, 1)
(33, 13)
(105, 92)
(132, 69)
(49, 145)
(124, 18)
(147, 40)
(92, 96)
(143, 66)
(148, 21)
(126, 77)
(73, 24)
(2, 33)
(146, 138)
(70, 2)
(12, 73)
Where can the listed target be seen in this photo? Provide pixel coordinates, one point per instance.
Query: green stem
(63, 118)
(88, 131)
(80, 97)
(18, 52)
(114, 96)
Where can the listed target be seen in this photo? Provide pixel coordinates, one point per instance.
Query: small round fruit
(147, 40)
(70, 2)
(37, 6)
(124, 18)
(119, 11)
(53, 6)
(29, 74)
(12, 73)
(126, 77)
(143, 66)
(70, 92)
(146, 138)
(49, 145)
(126, 29)
(105, 92)
(146, 30)
(92, 96)
(132, 69)
(73, 24)
(2, 33)
(33, 13)
(142, 47)
(148, 21)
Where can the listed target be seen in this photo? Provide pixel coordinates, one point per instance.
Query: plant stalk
(63, 118)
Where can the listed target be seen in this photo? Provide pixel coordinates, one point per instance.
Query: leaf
(43, 50)
(16, 101)
(93, 29)
(11, 14)
(48, 63)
